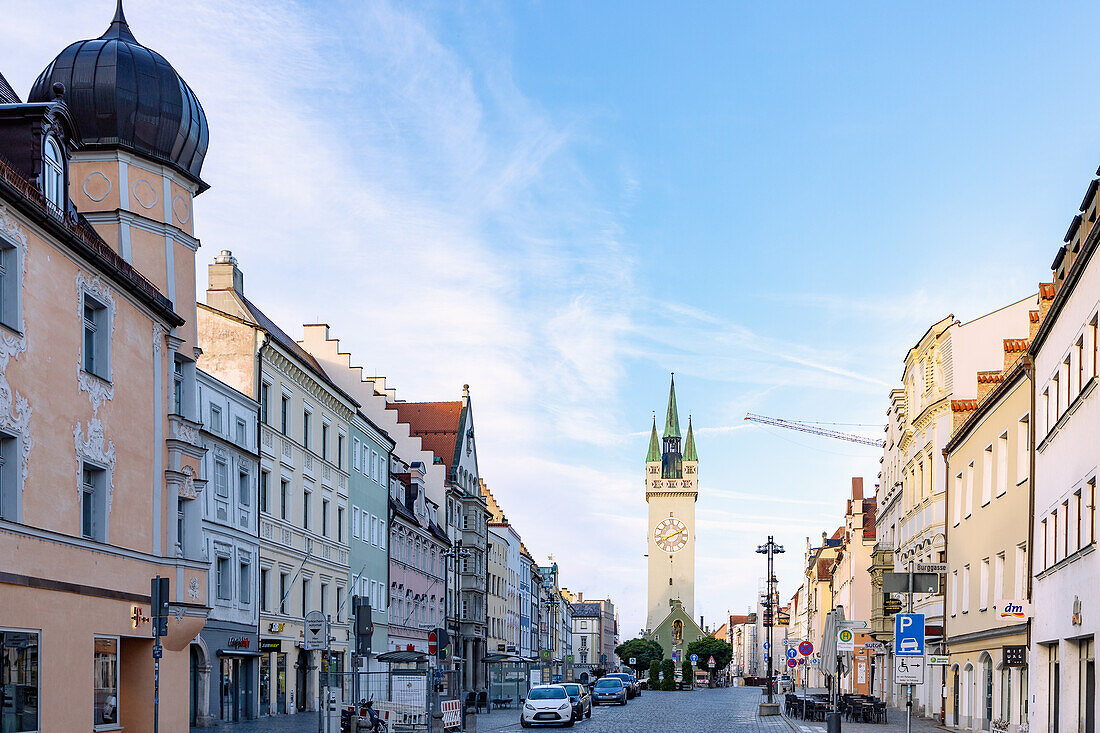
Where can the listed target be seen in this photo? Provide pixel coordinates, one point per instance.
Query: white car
(547, 704)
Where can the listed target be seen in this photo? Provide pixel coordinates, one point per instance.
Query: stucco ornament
(187, 487)
(158, 338)
(193, 589)
(99, 390)
(96, 449)
(178, 612)
(15, 410)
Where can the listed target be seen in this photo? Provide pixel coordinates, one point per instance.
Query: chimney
(225, 275)
(857, 487)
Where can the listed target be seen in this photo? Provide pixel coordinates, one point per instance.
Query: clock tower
(672, 484)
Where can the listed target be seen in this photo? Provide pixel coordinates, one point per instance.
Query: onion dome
(122, 94)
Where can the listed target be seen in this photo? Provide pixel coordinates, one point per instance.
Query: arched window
(53, 174)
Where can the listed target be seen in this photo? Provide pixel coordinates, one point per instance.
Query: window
(355, 522)
(1090, 511)
(283, 581)
(1006, 693)
(93, 503)
(10, 272)
(305, 597)
(307, 439)
(987, 474)
(1046, 543)
(966, 589)
(983, 579)
(1079, 357)
(265, 399)
(105, 683)
(306, 496)
(215, 419)
(324, 597)
(1023, 448)
(263, 589)
(19, 704)
(245, 577)
(284, 416)
(373, 530)
(954, 592)
(221, 479)
(1057, 400)
(223, 581)
(999, 578)
(324, 517)
(339, 604)
(265, 476)
(374, 465)
(970, 488)
(243, 488)
(339, 524)
(10, 474)
(1092, 343)
(53, 175)
(284, 497)
(1045, 405)
(340, 452)
(1078, 519)
(96, 331)
(1002, 464)
(242, 432)
(177, 388)
(1020, 569)
(324, 440)
(356, 461)
(1065, 528)
(956, 504)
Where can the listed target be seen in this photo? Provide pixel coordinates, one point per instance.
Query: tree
(708, 647)
(642, 651)
(668, 675)
(655, 675)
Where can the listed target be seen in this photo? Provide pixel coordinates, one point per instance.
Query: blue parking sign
(909, 635)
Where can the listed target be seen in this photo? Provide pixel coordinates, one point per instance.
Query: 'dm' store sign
(1012, 610)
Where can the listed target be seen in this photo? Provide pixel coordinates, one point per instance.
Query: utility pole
(770, 548)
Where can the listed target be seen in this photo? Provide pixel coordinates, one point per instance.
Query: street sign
(545, 654)
(853, 624)
(899, 582)
(632, 661)
(891, 605)
(938, 660)
(909, 670)
(316, 636)
(433, 643)
(806, 648)
(694, 658)
(931, 567)
(1014, 655)
(801, 661)
(909, 635)
(711, 663)
(874, 646)
(766, 646)
(792, 663)
(792, 653)
(845, 641)
(158, 651)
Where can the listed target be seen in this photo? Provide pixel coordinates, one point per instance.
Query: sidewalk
(895, 722)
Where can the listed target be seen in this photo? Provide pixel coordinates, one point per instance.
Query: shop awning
(238, 653)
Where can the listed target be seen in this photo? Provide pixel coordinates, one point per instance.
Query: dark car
(609, 689)
(582, 701)
(629, 682)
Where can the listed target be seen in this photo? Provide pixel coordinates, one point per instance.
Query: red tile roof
(1046, 291)
(963, 405)
(436, 423)
(991, 377)
(1018, 345)
(1034, 316)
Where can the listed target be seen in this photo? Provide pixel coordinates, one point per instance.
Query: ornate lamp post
(770, 548)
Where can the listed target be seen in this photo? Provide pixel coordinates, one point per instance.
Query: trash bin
(832, 722)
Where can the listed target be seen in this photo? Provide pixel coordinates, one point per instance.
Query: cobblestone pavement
(701, 711)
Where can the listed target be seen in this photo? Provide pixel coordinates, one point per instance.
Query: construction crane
(814, 429)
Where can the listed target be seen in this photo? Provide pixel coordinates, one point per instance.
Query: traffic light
(364, 626)
(159, 596)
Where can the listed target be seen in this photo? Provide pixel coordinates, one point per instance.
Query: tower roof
(689, 444)
(125, 95)
(672, 419)
(654, 447)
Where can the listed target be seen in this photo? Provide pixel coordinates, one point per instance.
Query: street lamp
(770, 548)
(456, 552)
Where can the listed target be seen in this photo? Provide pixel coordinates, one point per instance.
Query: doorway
(955, 691)
(302, 682)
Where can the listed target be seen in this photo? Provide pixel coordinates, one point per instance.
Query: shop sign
(239, 642)
(137, 618)
(1014, 655)
(271, 645)
(1013, 610)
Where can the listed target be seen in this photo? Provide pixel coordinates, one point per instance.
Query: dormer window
(53, 176)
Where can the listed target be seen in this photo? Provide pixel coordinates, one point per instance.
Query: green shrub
(668, 675)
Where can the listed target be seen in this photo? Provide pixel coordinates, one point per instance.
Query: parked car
(582, 701)
(609, 689)
(631, 684)
(547, 704)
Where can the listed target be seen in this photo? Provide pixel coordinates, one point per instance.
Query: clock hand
(666, 538)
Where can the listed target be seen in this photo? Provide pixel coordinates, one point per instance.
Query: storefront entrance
(235, 698)
(301, 687)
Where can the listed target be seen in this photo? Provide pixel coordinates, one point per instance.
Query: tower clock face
(671, 535)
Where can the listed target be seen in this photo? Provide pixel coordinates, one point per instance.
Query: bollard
(832, 722)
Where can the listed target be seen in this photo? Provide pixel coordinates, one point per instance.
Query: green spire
(654, 447)
(689, 445)
(672, 420)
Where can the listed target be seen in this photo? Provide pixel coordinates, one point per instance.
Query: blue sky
(561, 202)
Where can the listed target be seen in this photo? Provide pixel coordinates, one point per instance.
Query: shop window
(19, 681)
(105, 683)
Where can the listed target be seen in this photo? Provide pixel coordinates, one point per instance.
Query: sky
(560, 203)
